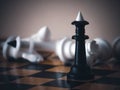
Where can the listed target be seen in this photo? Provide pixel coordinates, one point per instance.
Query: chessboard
(51, 75)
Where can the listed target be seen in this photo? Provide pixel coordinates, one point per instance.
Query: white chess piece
(91, 52)
(43, 34)
(104, 52)
(18, 52)
(64, 48)
(25, 47)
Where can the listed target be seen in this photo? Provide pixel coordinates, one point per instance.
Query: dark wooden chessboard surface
(51, 75)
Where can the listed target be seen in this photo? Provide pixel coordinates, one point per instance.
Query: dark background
(26, 17)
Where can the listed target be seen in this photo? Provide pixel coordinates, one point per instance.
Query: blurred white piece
(64, 48)
(103, 52)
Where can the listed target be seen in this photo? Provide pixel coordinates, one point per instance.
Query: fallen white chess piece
(99, 52)
(18, 52)
(64, 48)
(26, 48)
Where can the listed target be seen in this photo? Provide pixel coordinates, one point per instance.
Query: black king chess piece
(80, 69)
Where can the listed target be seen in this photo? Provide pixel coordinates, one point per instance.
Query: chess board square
(62, 69)
(111, 65)
(96, 86)
(32, 80)
(20, 72)
(102, 72)
(52, 61)
(63, 83)
(48, 88)
(108, 80)
(12, 64)
(46, 74)
(13, 86)
(95, 78)
(8, 78)
(37, 66)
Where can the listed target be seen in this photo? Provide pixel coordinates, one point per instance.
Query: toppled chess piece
(26, 48)
(100, 51)
(16, 47)
(64, 48)
(16, 51)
